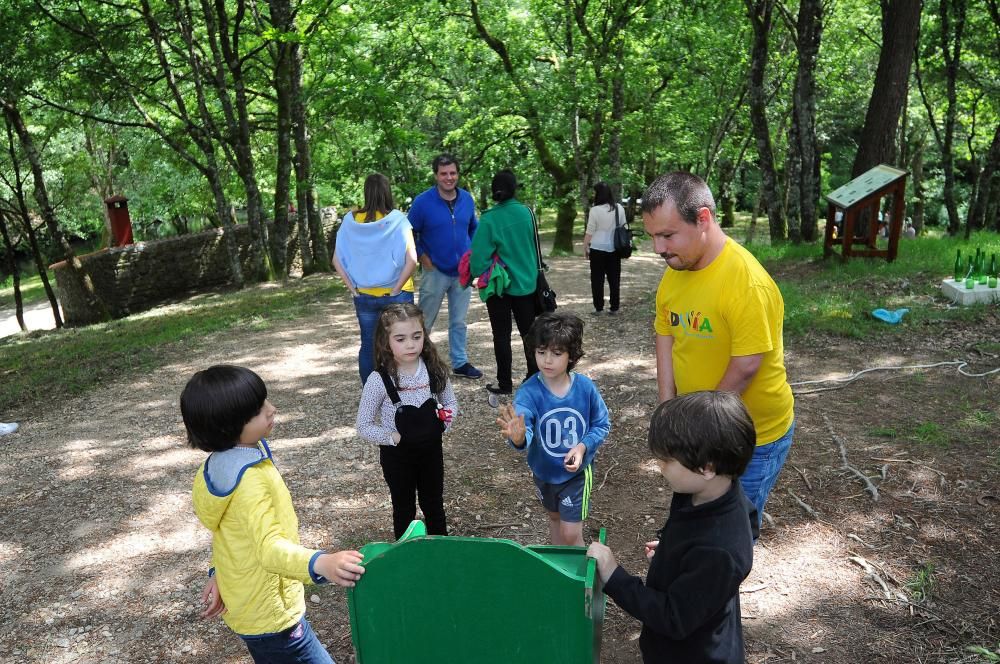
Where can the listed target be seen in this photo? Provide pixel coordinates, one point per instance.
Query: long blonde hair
(437, 370)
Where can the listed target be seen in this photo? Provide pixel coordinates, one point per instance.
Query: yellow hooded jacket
(259, 565)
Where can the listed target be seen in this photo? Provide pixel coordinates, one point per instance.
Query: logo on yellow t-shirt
(693, 323)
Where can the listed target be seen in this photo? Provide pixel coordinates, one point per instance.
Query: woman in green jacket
(507, 230)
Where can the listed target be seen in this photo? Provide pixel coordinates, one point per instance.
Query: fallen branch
(808, 510)
(803, 476)
(869, 487)
(870, 573)
(488, 526)
(915, 463)
(862, 542)
(753, 589)
(614, 462)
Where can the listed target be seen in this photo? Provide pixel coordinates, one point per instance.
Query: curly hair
(558, 331)
(437, 370)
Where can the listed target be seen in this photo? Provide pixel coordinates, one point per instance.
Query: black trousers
(500, 309)
(605, 264)
(415, 470)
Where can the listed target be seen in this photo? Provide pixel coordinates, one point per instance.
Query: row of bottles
(976, 270)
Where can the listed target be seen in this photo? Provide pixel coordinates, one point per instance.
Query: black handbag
(623, 237)
(545, 297)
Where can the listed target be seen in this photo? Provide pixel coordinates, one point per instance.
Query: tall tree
(803, 161)
(951, 16)
(761, 14)
(900, 29)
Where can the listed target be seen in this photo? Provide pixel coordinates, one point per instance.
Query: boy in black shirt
(690, 604)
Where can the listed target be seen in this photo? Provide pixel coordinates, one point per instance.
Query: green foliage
(987, 655)
(922, 585)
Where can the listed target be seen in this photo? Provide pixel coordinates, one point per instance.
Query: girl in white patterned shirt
(406, 406)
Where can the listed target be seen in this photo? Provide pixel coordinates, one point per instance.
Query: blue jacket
(440, 234)
(555, 425)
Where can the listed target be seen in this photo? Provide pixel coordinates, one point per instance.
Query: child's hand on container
(574, 458)
(606, 562)
(342, 568)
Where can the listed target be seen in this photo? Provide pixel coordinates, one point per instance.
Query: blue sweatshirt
(555, 425)
(440, 233)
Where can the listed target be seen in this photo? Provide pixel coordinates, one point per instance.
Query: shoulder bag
(545, 297)
(623, 237)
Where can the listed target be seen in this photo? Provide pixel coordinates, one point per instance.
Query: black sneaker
(468, 371)
(494, 389)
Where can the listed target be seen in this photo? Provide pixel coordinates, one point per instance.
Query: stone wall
(140, 276)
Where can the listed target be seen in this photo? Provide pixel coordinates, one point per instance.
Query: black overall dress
(415, 466)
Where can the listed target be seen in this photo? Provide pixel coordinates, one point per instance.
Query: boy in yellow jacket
(259, 567)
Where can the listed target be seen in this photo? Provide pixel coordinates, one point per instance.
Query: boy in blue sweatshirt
(559, 417)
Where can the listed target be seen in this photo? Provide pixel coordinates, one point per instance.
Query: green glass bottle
(983, 276)
(993, 265)
(970, 268)
(957, 275)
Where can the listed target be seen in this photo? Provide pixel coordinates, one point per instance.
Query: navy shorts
(571, 499)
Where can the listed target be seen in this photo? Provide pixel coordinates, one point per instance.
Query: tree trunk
(760, 12)
(29, 230)
(900, 28)
(281, 18)
(97, 309)
(952, 59)
(224, 45)
(793, 178)
(810, 32)
(15, 273)
(314, 253)
(565, 216)
(977, 211)
(917, 169)
(727, 195)
(617, 116)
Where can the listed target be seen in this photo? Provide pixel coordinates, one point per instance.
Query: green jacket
(506, 229)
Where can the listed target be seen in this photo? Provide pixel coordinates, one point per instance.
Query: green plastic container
(432, 599)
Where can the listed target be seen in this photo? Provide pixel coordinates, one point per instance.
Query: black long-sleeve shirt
(690, 604)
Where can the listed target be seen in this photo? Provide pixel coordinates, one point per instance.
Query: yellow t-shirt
(730, 308)
(360, 217)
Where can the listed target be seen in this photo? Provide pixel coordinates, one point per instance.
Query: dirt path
(102, 559)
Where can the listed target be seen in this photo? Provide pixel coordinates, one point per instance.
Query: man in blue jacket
(444, 221)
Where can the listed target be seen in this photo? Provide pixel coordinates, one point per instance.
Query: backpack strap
(390, 388)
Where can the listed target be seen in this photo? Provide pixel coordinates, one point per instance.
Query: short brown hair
(705, 428)
(687, 191)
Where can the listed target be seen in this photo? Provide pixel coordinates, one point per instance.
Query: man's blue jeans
(762, 473)
(434, 285)
(297, 645)
(368, 309)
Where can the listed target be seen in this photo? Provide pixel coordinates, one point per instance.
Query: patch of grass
(884, 432)
(46, 366)
(987, 655)
(978, 419)
(921, 586)
(836, 298)
(931, 433)
(32, 290)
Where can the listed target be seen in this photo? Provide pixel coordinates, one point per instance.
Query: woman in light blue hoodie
(375, 256)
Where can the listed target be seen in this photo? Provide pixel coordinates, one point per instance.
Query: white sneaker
(7, 428)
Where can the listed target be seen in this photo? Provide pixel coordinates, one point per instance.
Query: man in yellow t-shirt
(719, 320)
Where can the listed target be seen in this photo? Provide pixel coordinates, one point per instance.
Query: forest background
(211, 112)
